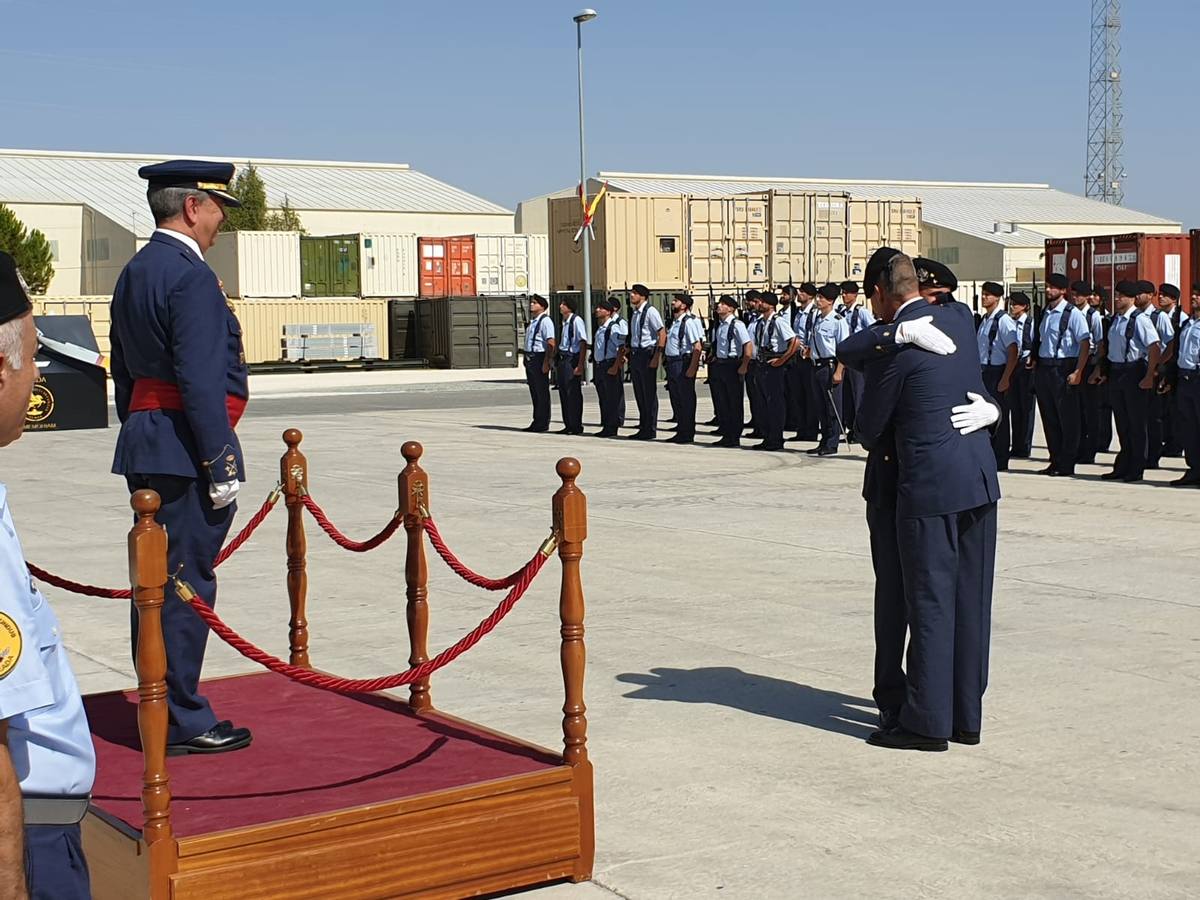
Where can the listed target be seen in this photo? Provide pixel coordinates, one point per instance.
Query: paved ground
(729, 640)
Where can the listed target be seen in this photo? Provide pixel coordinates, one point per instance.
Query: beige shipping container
(263, 321)
(639, 239)
(257, 263)
(879, 223)
(810, 237)
(388, 264)
(727, 241)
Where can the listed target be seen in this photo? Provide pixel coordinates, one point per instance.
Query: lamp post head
(584, 15)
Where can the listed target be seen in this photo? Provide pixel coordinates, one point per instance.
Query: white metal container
(508, 264)
(258, 263)
(388, 264)
(539, 264)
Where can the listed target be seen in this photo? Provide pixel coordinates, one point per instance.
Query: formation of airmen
(775, 354)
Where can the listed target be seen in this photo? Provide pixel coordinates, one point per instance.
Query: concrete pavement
(729, 639)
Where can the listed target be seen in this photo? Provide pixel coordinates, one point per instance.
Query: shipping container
(389, 264)
(403, 335)
(329, 266)
(810, 237)
(727, 240)
(468, 332)
(1186, 288)
(639, 238)
(447, 266)
(511, 264)
(263, 322)
(1108, 259)
(882, 223)
(257, 263)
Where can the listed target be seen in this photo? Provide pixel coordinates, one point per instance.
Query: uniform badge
(231, 466)
(10, 644)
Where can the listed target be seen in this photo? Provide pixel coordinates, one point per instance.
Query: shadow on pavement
(758, 694)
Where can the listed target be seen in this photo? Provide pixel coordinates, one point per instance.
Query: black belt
(825, 361)
(995, 365)
(1189, 374)
(672, 358)
(55, 810)
(1055, 361)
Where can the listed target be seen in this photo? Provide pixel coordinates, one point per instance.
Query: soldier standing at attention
(732, 352)
(539, 350)
(811, 403)
(1089, 394)
(572, 352)
(1063, 348)
(1186, 391)
(997, 340)
(791, 384)
(858, 317)
(610, 390)
(753, 315)
(1098, 301)
(1166, 319)
(1021, 399)
(775, 344)
(181, 385)
(828, 330)
(644, 350)
(1133, 355)
(684, 347)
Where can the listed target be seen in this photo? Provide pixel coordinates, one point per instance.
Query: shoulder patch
(10, 644)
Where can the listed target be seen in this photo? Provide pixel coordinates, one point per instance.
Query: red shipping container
(1108, 259)
(447, 266)
(1187, 289)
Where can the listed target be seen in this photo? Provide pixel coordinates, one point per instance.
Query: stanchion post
(147, 578)
(293, 475)
(414, 505)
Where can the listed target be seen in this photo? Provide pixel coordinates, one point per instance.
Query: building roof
(972, 208)
(108, 182)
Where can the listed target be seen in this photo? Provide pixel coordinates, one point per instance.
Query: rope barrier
(231, 548)
(340, 539)
(365, 685)
(459, 569)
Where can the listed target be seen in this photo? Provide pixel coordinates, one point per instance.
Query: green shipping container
(468, 332)
(329, 266)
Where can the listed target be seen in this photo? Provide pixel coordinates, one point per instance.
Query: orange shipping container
(1108, 259)
(447, 266)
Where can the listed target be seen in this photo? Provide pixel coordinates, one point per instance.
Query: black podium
(68, 393)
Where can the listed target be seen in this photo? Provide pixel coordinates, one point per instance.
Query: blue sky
(483, 95)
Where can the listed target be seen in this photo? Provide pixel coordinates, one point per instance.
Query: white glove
(224, 493)
(977, 414)
(925, 335)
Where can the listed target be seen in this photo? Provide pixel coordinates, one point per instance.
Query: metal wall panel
(389, 264)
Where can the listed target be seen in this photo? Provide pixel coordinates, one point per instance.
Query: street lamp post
(582, 16)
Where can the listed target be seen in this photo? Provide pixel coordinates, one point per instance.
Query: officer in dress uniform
(644, 351)
(611, 335)
(774, 343)
(998, 342)
(47, 762)
(1021, 401)
(683, 349)
(1133, 356)
(572, 352)
(1165, 317)
(1185, 388)
(730, 358)
(180, 380)
(539, 350)
(1089, 394)
(1063, 345)
(828, 330)
(811, 402)
(858, 317)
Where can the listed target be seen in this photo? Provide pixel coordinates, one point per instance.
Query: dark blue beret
(830, 291)
(931, 273)
(14, 303)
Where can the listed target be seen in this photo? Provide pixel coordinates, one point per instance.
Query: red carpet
(313, 752)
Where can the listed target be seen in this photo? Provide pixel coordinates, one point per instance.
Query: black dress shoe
(826, 451)
(639, 436)
(1188, 480)
(679, 439)
(564, 431)
(726, 443)
(1085, 461)
(1049, 470)
(765, 446)
(900, 738)
(221, 738)
(605, 434)
(1061, 473)
(535, 429)
(970, 738)
(1133, 479)
(1112, 476)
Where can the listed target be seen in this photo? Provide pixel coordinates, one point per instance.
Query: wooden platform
(338, 797)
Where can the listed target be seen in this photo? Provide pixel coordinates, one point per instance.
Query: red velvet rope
(340, 539)
(368, 685)
(459, 569)
(88, 590)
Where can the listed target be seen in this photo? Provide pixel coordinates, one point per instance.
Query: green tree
(29, 249)
(285, 219)
(248, 187)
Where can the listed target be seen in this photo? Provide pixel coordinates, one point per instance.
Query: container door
(489, 263)
(433, 267)
(706, 240)
(789, 237)
(515, 279)
(500, 347)
(829, 249)
(539, 264)
(467, 332)
(747, 217)
(345, 263)
(314, 267)
(460, 263)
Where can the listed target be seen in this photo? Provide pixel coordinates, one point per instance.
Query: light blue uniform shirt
(574, 333)
(540, 330)
(48, 736)
(610, 337)
(1189, 345)
(1059, 344)
(644, 326)
(801, 321)
(858, 318)
(1024, 324)
(828, 332)
(685, 331)
(1095, 323)
(1127, 344)
(1166, 328)
(731, 338)
(771, 338)
(993, 347)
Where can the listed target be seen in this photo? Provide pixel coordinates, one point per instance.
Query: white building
(92, 206)
(982, 230)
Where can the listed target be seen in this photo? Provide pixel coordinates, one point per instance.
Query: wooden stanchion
(147, 578)
(570, 526)
(293, 475)
(414, 505)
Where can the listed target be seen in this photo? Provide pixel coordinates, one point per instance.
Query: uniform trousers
(570, 392)
(769, 379)
(1000, 437)
(195, 532)
(948, 563)
(683, 396)
(755, 397)
(727, 397)
(610, 393)
(1059, 405)
(1131, 409)
(1156, 427)
(1021, 405)
(1187, 408)
(852, 395)
(1089, 417)
(643, 378)
(792, 395)
(1104, 434)
(891, 616)
(55, 867)
(811, 402)
(539, 390)
(831, 403)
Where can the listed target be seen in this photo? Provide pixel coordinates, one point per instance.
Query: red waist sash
(153, 393)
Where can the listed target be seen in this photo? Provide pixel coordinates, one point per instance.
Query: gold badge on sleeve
(10, 644)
